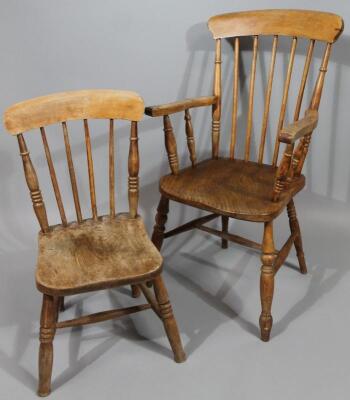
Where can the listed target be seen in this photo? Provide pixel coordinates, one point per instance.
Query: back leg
(224, 225)
(135, 291)
(161, 218)
(295, 229)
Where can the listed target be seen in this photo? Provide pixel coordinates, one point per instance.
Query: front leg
(49, 314)
(267, 281)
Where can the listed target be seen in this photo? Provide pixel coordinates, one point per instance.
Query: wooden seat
(248, 185)
(94, 252)
(235, 188)
(93, 255)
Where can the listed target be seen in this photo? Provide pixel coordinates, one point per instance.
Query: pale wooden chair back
(82, 105)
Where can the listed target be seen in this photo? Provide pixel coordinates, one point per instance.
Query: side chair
(250, 187)
(97, 252)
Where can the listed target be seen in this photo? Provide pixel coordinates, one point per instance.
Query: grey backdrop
(162, 50)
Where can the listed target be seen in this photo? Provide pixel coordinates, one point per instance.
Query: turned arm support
(291, 133)
(177, 106)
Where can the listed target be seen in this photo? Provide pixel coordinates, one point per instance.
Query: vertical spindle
(53, 177)
(251, 99)
(133, 164)
(190, 138)
(90, 170)
(170, 145)
(284, 99)
(111, 170)
(216, 111)
(71, 170)
(268, 100)
(33, 185)
(235, 99)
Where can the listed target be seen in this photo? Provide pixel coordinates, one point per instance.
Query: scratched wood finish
(253, 188)
(303, 23)
(96, 253)
(76, 105)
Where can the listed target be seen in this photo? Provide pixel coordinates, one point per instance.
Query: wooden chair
(94, 253)
(249, 189)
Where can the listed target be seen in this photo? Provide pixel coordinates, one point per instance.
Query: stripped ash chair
(250, 188)
(94, 253)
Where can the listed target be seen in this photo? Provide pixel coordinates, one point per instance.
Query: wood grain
(294, 131)
(302, 23)
(177, 106)
(65, 106)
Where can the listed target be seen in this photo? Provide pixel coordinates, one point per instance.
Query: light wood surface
(177, 106)
(83, 104)
(302, 23)
(302, 127)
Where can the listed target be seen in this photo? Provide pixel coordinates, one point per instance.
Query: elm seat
(91, 255)
(236, 188)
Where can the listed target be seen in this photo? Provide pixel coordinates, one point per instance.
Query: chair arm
(291, 133)
(177, 106)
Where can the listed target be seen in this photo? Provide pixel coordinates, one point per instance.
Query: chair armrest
(177, 106)
(291, 133)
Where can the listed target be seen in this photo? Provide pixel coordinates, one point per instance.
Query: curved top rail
(315, 25)
(65, 106)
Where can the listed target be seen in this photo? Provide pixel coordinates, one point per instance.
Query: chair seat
(236, 188)
(96, 255)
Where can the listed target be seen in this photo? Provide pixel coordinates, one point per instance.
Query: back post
(33, 185)
(216, 111)
(133, 164)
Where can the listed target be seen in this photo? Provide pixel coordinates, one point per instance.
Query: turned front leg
(267, 282)
(161, 218)
(167, 316)
(48, 319)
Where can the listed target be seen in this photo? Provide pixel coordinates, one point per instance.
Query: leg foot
(161, 218)
(168, 319)
(295, 229)
(49, 314)
(267, 282)
(224, 223)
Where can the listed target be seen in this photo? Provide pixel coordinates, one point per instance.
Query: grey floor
(216, 301)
